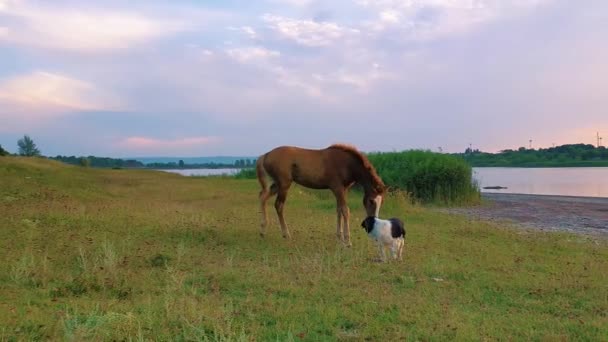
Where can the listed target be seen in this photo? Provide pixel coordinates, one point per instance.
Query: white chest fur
(381, 232)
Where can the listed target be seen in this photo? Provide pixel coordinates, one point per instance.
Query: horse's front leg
(339, 223)
(346, 217)
(343, 215)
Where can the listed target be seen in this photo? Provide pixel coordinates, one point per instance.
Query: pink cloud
(40, 93)
(82, 30)
(37, 98)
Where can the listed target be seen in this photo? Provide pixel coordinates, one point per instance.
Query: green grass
(89, 254)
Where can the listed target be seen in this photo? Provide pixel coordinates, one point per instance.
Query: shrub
(84, 162)
(427, 176)
(248, 173)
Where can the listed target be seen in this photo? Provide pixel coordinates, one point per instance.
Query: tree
(27, 147)
(181, 164)
(85, 162)
(3, 152)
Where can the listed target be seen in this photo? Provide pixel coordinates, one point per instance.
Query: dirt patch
(588, 215)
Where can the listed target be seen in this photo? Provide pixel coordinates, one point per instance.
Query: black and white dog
(387, 233)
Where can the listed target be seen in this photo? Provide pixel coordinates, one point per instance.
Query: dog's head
(368, 223)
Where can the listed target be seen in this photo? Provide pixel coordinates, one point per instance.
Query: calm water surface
(202, 172)
(567, 181)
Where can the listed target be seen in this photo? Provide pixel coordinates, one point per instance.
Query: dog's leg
(381, 252)
(394, 249)
(401, 245)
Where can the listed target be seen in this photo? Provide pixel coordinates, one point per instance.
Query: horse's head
(372, 201)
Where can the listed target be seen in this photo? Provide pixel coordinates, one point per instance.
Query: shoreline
(566, 198)
(578, 214)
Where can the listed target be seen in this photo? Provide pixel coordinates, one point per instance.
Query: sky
(206, 78)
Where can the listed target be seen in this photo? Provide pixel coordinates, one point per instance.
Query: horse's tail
(261, 172)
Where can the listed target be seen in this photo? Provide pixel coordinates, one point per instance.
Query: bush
(3, 152)
(85, 162)
(427, 176)
(248, 173)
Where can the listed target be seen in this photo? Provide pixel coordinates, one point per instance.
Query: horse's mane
(364, 161)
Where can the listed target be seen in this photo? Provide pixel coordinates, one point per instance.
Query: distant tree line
(28, 148)
(564, 155)
(99, 161)
(130, 163)
(238, 164)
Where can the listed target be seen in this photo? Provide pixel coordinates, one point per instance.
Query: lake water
(202, 172)
(566, 181)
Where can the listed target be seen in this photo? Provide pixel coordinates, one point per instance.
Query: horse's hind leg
(265, 194)
(339, 224)
(279, 204)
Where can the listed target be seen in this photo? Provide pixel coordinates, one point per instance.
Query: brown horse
(337, 168)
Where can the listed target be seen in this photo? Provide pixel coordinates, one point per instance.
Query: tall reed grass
(246, 173)
(428, 177)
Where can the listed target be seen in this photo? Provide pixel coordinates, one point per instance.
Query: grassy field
(89, 254)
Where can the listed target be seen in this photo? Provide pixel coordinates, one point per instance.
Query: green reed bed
(428, 177)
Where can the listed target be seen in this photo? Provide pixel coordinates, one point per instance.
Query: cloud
(43, 94)
(81, 29)
(432, 19)
(296, 3)
(246, 54)
(307, 32)
(420, 73)
(248, 31)
(154, 146)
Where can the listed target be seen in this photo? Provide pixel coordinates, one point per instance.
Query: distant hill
(192, 160)
(570, 155)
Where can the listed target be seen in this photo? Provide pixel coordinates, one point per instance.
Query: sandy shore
(588, 215)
